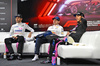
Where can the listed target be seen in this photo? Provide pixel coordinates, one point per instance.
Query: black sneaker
(19, 57)
(45, 62)
(11, 57)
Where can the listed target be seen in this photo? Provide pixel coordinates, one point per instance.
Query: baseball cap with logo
(57, 18)
(79, 13)
(18, 15)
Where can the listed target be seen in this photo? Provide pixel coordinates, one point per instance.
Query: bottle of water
(4, 56)
(58, 60)
(53, 59)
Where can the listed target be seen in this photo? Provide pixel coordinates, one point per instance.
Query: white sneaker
(30, 39)
(35, 58)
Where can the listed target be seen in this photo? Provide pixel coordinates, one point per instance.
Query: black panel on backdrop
(8, 9)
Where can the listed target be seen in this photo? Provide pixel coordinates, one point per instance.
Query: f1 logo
(70, 22)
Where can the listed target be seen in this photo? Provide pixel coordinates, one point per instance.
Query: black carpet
(64, 62)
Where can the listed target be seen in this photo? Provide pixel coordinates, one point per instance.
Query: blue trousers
(39, 42)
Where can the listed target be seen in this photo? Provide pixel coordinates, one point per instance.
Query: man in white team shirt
(17, 35)
(55, 29)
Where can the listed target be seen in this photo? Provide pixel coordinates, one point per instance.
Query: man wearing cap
(73, 35)
(55, 29)
(17, 35)
(79, 29)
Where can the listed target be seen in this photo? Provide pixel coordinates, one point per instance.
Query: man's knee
(39, 41)
(7, 41)
(21, 39)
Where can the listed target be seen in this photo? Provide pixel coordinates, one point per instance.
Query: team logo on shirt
(18, 30)
(16, 26)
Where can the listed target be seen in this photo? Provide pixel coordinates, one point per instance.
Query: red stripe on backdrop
(48, 9)
(52, 9)
(58, 0)
(47, 4)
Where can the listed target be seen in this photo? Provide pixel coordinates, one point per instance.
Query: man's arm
(50, 29)
(71, 31)
(30, 34)
(62, 30)
(30, 29)
(84, 23)
(68, 33)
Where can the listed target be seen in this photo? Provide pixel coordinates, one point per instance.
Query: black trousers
(52, 47)
(20, 40)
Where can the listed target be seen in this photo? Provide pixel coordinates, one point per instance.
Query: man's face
(78, 18)
(18, 19)
(55, 22)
